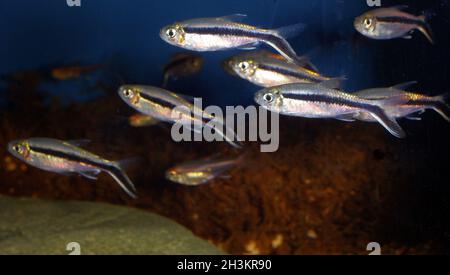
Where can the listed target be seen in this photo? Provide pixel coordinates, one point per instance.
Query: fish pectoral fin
(79, 142)
(238, 17)
(92, 174)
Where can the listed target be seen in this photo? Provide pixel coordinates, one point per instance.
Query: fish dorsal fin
(238, 17)
(404, 86)
(333, 83)
(79, 142)
(399, 7)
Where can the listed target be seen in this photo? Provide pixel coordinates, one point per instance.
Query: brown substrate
(332, 187)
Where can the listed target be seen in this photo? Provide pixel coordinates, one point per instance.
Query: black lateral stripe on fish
(402, 20)
(169, 105)
(331, 100)
(297, 73)
(235, 31)
(157, 100)
(71, 157)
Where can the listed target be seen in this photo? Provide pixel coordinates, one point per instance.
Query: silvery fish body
(266, 69)
(319, 101)
(169, 107)
(407, 104)
(388, 23)
(222, 33)
(199, 172)
(66, 158)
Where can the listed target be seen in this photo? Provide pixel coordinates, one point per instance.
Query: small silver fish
(319, 101)
(169, 107)
(222, 33)
(66, 157)
(199, 172)
(266, 69)
(388, 23)
(181, 65)
(407, 103)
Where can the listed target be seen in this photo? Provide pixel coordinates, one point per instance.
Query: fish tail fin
(441, 107)
(388, 122)
(117, 173)
(425, 28)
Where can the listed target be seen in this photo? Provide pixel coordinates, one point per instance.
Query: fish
(266, 69)
(408, 103)
(66, 157)
(181, 65)
(198, 172)
(140, 120)
(227, 32)
(319, 101)
(72, 72)
(170, 107)
(393, 22)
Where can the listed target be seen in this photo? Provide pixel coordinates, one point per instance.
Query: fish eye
(17, 148)
(171, 33)
(268, 97)
(128, 93)
(368, 22)
(244, 65)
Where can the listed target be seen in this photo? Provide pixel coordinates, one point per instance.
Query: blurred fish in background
(182, 65)
(140, 120)
(73, 72)
(199, 172)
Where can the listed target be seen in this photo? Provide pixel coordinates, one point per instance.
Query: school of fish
(290, 85)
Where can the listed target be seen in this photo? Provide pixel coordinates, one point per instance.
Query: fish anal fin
(91, 174)
(388, 122)
(346, 117)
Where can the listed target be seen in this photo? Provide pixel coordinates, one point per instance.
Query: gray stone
(31, 226)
